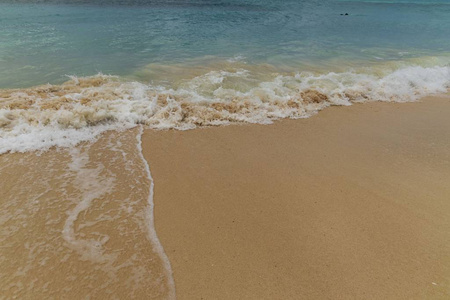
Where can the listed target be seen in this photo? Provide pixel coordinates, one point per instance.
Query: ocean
(99, 72)
(80, 67)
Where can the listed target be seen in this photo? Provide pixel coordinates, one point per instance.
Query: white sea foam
(157, 247)
(82, 108)
(92, 186)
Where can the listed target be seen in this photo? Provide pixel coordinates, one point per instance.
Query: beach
(351, 203)
(239, 149)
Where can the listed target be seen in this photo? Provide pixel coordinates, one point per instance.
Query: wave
(83, 107)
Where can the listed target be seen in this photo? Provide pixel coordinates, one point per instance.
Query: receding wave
(83, 107)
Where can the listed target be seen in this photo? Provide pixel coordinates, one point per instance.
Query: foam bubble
(84, 107)
(88, 181)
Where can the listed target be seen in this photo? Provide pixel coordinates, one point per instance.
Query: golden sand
(352, 203)
(73, 224)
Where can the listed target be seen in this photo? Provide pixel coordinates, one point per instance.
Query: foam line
(92, 186)
(157, 247)
(79, 110)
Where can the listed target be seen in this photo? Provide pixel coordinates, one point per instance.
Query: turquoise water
(43, 41)
(71, 70)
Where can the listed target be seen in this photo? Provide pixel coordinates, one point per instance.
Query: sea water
(183, 64)
(42, 41)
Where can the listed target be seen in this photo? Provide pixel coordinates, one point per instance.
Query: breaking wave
(83, 107)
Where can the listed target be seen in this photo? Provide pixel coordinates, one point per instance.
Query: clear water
(183, 64)
(42, 41)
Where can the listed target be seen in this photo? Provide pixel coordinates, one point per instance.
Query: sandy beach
(210, 149)
(352, 203)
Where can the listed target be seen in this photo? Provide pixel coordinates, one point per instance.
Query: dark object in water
(346, 14)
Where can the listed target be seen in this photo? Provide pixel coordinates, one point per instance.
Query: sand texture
(73, 224)
(353, 203)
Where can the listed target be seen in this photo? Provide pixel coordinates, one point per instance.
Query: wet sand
(74, 224)
(353, 203)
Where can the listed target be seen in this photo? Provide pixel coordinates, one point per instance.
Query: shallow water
(183, 64)
(81, 217)
(42, 41)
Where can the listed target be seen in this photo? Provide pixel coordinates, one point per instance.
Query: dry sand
(353, 203)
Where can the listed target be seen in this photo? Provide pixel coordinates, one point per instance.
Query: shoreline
(349, 203)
